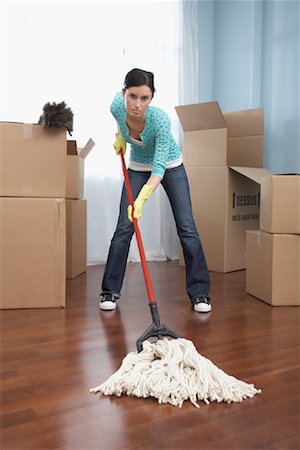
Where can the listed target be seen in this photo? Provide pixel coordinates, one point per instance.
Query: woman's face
(137, 99)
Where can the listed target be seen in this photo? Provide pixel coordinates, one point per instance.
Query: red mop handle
(137, 232)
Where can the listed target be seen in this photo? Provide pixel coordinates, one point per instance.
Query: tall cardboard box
(76, 237)
(32, 252)
(32, 161)
(280, 204)
(273, 267)
(75, 168)
(223, 157)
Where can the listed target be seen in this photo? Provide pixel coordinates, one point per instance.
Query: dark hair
(139, 77)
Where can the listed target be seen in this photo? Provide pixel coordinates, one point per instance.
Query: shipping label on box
(32, 160)
(242, 215)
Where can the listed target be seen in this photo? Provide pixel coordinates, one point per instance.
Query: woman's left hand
(143, 196)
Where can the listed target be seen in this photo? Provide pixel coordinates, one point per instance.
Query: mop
(170, 370)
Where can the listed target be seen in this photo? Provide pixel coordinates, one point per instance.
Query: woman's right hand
(119, 143)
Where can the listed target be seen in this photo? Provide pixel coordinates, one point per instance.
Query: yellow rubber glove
(143, 196)
(119, 143)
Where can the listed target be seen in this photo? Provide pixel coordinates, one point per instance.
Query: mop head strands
(172, 371)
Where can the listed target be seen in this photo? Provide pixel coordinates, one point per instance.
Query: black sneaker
(108, 302)
(201, 304)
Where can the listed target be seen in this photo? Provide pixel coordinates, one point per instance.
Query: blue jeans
(176, 185)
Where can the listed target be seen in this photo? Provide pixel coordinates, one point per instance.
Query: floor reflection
(114, 334)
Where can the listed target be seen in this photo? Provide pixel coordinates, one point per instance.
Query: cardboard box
(32, 161)
(273, 267)
(32, 252)
(76, 237)
(226, 203)
(75, 168)
(280, 204)
(213, 138)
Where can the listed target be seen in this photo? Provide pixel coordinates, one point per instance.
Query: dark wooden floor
(50, 359)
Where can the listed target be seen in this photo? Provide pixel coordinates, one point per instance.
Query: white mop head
(173, 371)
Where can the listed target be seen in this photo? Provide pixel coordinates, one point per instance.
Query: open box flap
(253, 173)
(83, 152)
(249, 122)
(200, 116)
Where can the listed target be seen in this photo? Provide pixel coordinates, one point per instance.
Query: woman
(155, 158)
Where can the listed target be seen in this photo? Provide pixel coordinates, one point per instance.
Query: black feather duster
(57, 115)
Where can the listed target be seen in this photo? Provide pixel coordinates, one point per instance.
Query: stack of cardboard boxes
(33, 216)
(273, 252)
(247, 218)
(223, 157)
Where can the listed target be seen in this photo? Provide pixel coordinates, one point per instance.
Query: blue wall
(249, 57)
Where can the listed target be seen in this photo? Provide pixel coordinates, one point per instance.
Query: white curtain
(147, 37)
(79, 52)
(188, 60)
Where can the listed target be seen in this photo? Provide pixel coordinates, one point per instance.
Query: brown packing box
(75, 168)
(225, 204)
(273, 267)
(213, 138)
(33, 252)
(280, 204)
(75, 177)
(76, 237)
(32, 161)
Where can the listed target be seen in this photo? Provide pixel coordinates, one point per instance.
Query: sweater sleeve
(118, 110)
(162, 143)
(117, 107)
